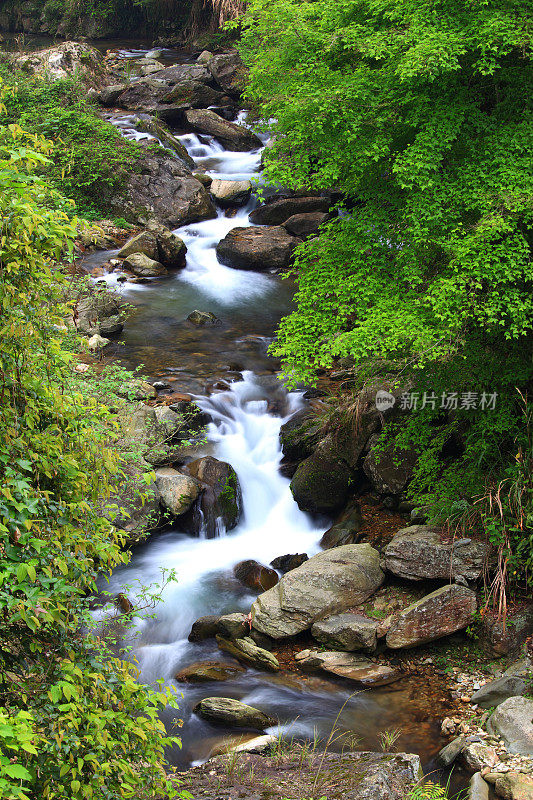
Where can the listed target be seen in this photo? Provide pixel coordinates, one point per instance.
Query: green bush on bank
(421, 116)
(74, 722)
(89, 160)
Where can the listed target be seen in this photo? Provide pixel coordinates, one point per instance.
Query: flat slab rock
(363, 671)
(420, 553)
(350, 776)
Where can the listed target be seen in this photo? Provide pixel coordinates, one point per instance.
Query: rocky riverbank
(355, 611)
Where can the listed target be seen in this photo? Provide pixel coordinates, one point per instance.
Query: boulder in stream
(230, 194)
(229, 72)
(248, 652)
(290, 561)
(306, 225)
(100, 312)
(345, 531)
(204, 628)
(255, 576)
(202, 318)
(178, 491)
(232, 713)
(205, 671)
(194, 93)
(513, 722)
(261, 248)
(220, 503)
(327, 583)
(278, 210)
(143, 266)
(232, 136)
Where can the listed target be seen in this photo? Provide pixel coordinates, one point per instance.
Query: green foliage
(89, 159)
(74, 722)
(422, 117)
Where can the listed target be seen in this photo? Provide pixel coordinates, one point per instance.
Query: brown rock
(255, 576)
(261, 248)
(440, 613)
(204, 671)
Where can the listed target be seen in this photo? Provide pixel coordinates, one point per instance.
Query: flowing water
(246, 415)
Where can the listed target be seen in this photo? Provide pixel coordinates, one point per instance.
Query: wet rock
(256, 745)
(513, 721)
(232, 713)
(231, 194)
(178, 492)
(233, 626)
(390, 468)
(445, 611)
(327, 583)
(255, 576)
(478, 789)
(305, 225)
(101, 312)
(478, 756)
(66, 60)
(451, 751)
(142, 95)
(287, 563)
(346, 632)
(194, 93)
(220, 504)
(248, 652)
(363, 671)
(143, 266)
(205, 180)
(346, 531)
(229, 72)
(514, 786)
(278, 211)
(163, 189)
(144, 242)
(171, 249)
(321, 483)
(234, 137)
(204, 628)
(204, 671)
(202, 318)
(257, 248)
(420, 553)
(300, 435)
(157, 128)
(495, 692)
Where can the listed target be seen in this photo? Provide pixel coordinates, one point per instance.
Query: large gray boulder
(422, 552)
(321, 483)
(364, 671)
(261, 248)
(514, 786)
(346, 631)
(163, 189)
(513, 721)
(232, 136)
(445, 611)
(329, 582)
(278, 211)
(195, 93)
(232, 713)
(177, 491)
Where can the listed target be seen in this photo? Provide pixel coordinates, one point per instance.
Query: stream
(234, 381)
